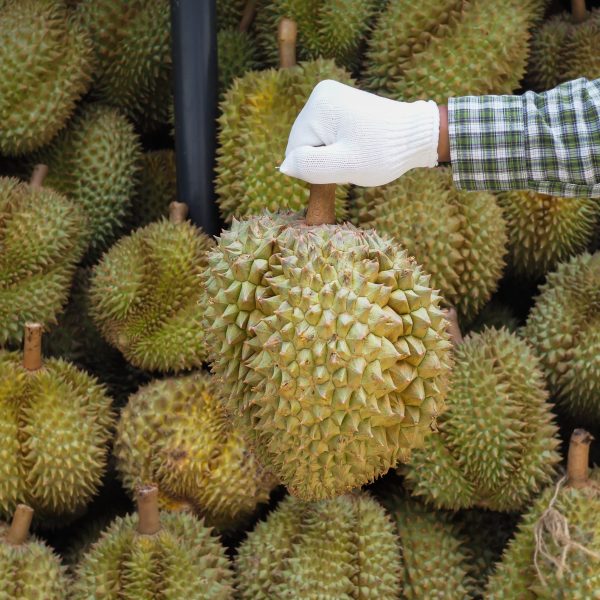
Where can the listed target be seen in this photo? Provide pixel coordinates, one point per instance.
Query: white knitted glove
(345, 135)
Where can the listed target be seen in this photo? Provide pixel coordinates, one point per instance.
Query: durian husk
(237, 54)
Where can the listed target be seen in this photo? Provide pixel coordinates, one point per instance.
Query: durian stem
(32, 349)
(286, 37)
(247, 16)
(454, 331)
(38, 175)
(321, 204)
(148, 514)
(578, 11)
(578, 458)
(19, 528)
(178, 212)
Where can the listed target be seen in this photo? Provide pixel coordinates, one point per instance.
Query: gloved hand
(345, 135)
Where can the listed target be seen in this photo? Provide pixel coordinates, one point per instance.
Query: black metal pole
(194, 47)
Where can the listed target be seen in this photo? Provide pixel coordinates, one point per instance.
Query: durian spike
(247, 16)
(32, 349)
(454, 328)
(286, 37)
(19, 528)
(178, 212)
(148, 514)
(38, 175)
(578, 11)
(578, 458)
(321, 204)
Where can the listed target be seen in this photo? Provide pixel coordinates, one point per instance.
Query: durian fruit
(176, 432)
(331, 345)
(132, 48)
(564, 329)
(257, 114)
(41, 241)
(150, 555)
(55, 425)
(29, 569)
(497, 441)
(545, 230)
(556, 551)
(45, 68)
(497, 315)
(435, 49)
(459, 237)
(94, 162)
(345, 548)
(229, 13)
(237, 54)
(145, 294)
(327, 28)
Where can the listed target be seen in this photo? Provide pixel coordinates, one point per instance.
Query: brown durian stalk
(578, 459)
(19, 528)
(148, 513)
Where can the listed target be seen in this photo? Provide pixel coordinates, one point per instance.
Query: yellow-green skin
(545, 230)
(257, 114)
(182, 560)
(94, 161)
(30, 571)
(459, 237)
(516, 577)
(237, 53)
(176, 433)
(55, 426)
(340, 549)
(132, 48)
(45, 68)
(332, 348)
(497, 440)
(41, 241)
(145, 293)
(564, 329)
(413, 43)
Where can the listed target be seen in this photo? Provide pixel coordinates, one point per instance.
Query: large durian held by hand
(55, 425)
(556, 551)
(29, 569)
(176, 432)
(145, 293)
(331, 344)
(163, 556)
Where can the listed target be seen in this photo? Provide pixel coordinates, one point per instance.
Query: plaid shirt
(546, 142)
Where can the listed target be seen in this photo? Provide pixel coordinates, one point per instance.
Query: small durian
(331, 344)
(155, 555)
(564, 329)
(495, 315)
(229, 13)
(55, 425)
(94, 161)
(176, 432)
(345, 548)
(556, 550)
(237, 53)
(45, 68)
(545, 230)
(497, 440)
(145, 294)
(42, 238)
(29, 569)
(459, 237)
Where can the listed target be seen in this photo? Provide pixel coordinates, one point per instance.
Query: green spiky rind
(55, 425)
(132, 48)
(352, 535)
(30, 571)
(545, 230)
(495, 315)
(459, 237)
(145, 296)
(176, 432)
(94, 162)
(41, 240)
(332, 347)
(182, 560)
(237, 54)
(45, 68)
(326, 28)
(516, 576)
(258, 111)
(413, 42)
(497, 442)
(564, 329)
(229, 13)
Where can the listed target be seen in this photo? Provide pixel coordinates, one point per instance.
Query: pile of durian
(290, 410)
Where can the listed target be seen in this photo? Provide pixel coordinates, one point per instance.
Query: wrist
(443, 148)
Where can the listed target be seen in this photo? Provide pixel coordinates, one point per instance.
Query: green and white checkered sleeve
(546, 142)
